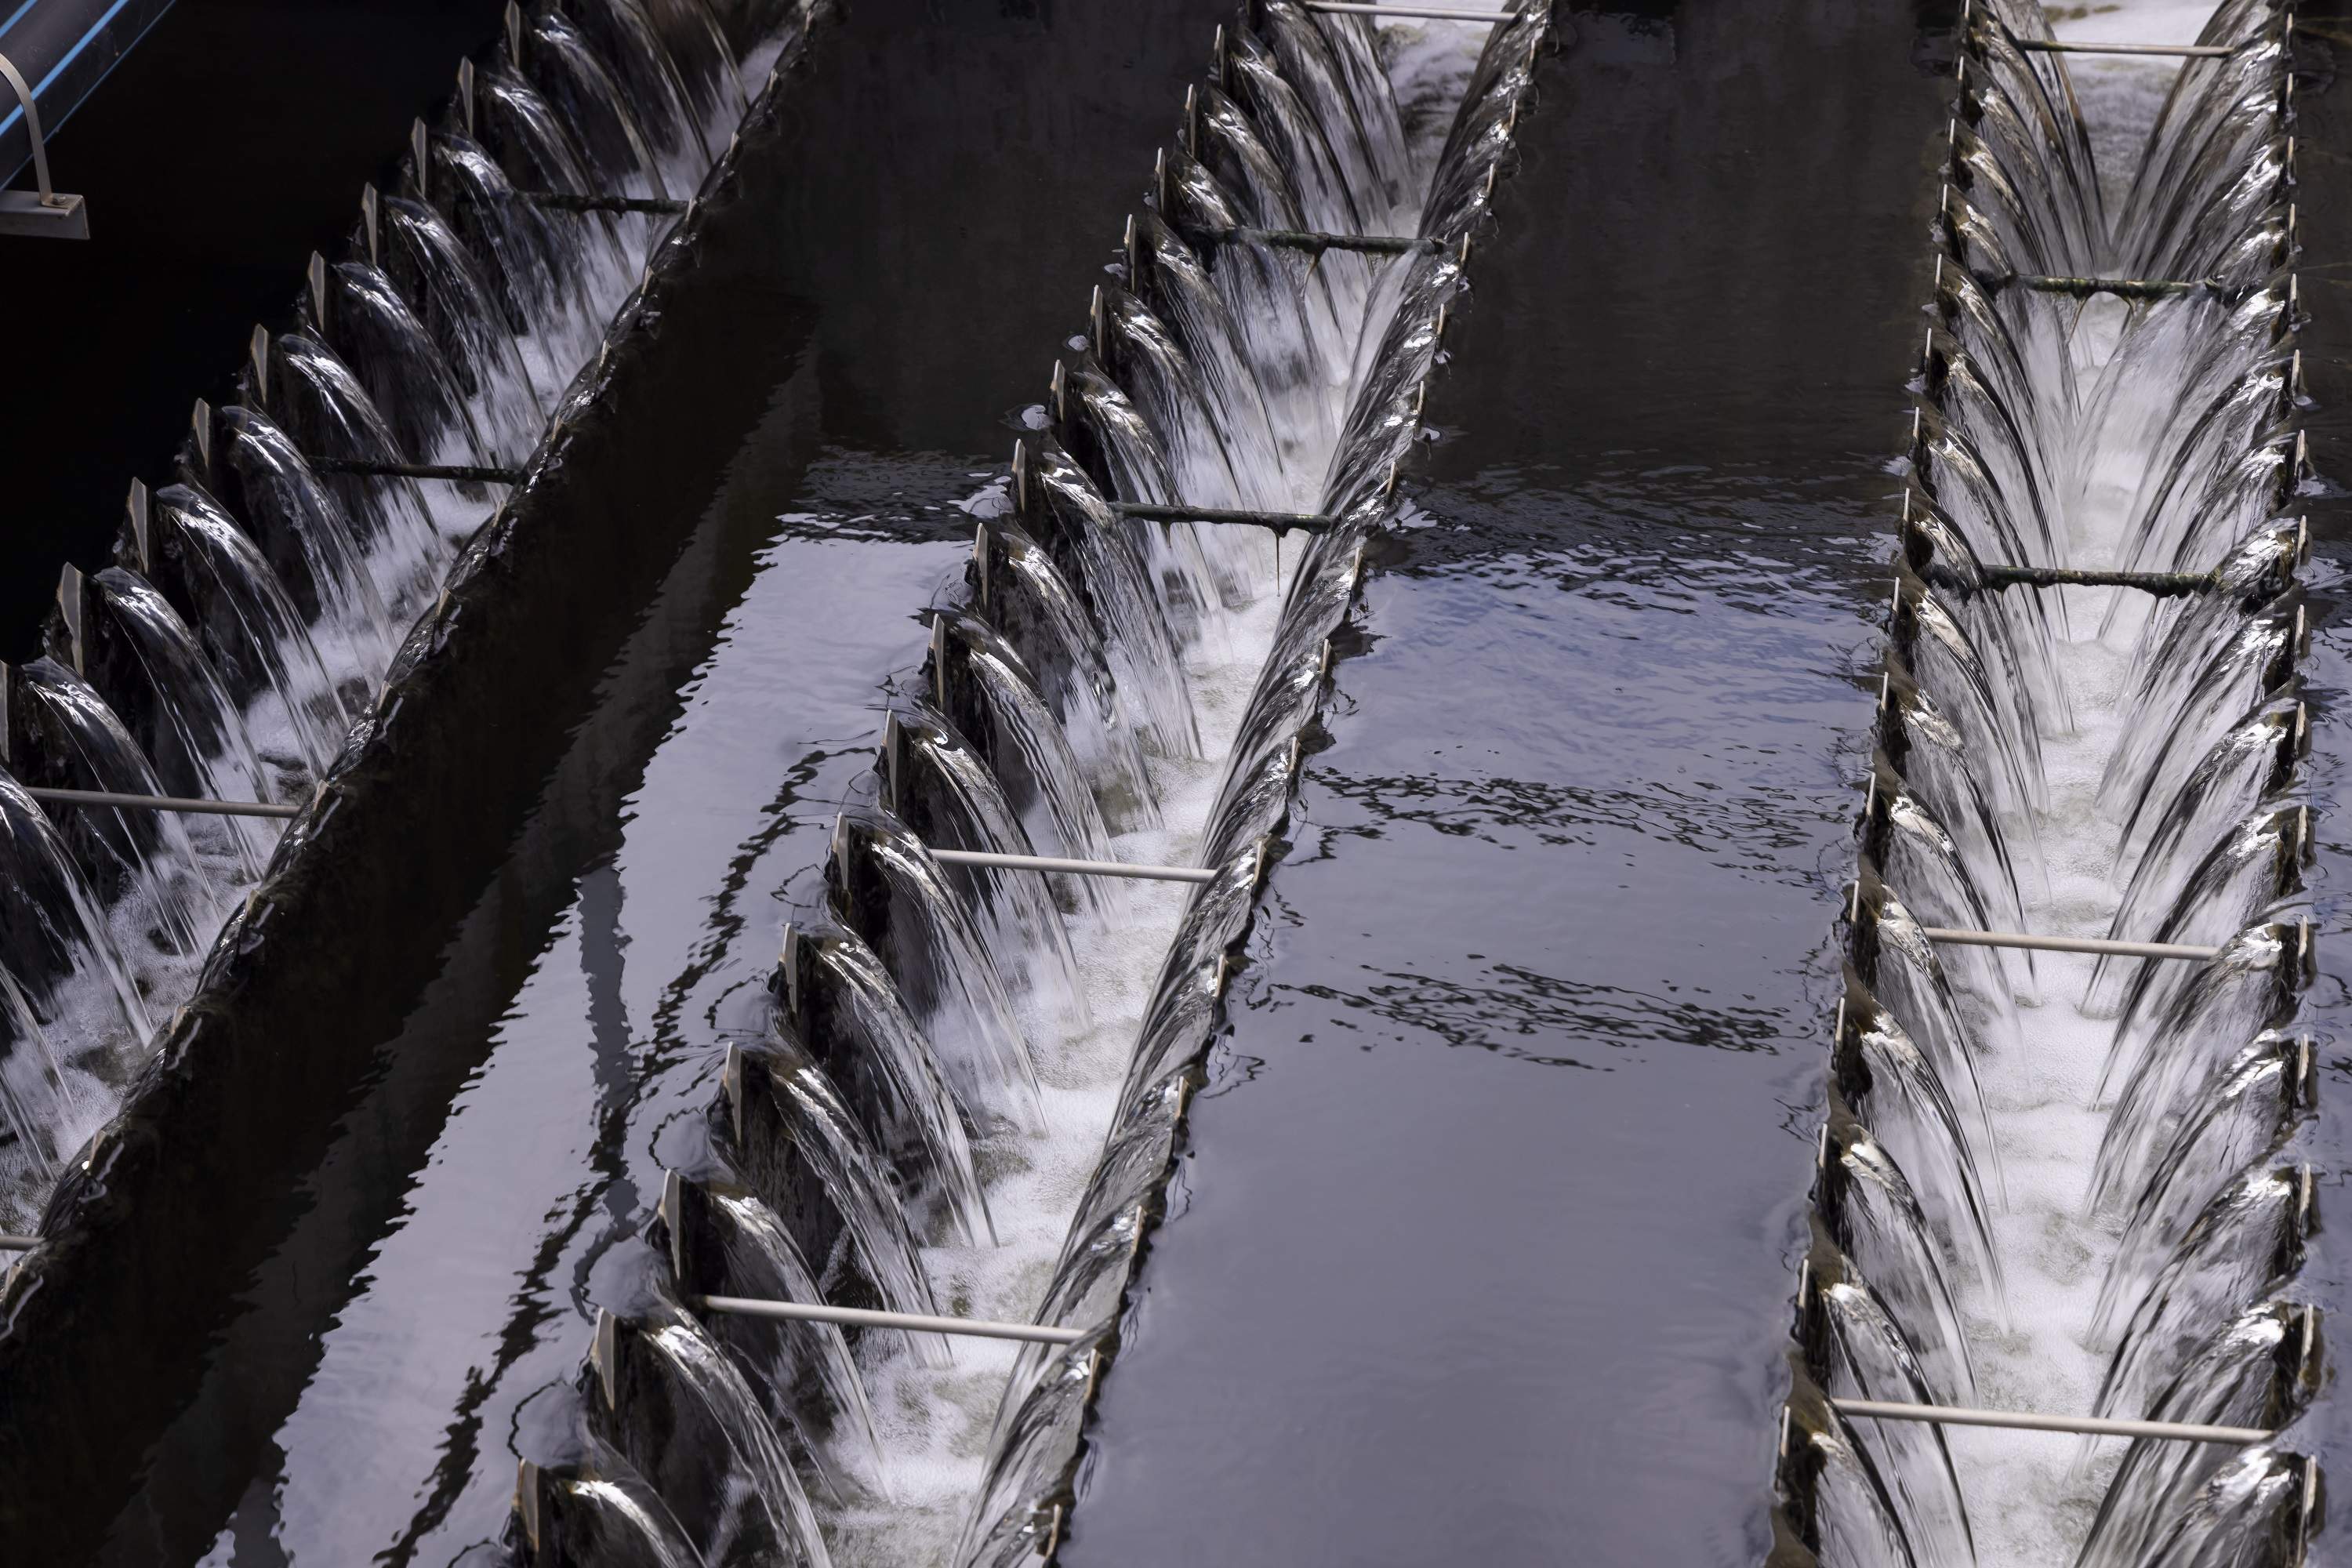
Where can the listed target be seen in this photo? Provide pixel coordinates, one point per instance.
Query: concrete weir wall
(175, 1203)
(2322, 128)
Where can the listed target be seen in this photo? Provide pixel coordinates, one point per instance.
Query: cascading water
(2054, 1183)
(959, 1090)
(255, 605)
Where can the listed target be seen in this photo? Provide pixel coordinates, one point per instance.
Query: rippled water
(408, 1315)
(1482, 1248)
(1484, 1242)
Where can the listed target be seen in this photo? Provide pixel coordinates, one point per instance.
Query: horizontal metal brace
(468, 473)
(577, 202)
(163, 803)
(564, 201)
(2122, 288)
(1074, 867)
(2163, 584)
(2099, 944)
(19, 1243)
(860, 1318)
(2184, 51)
(2090, 1425)
(1434, 13)
(1153, 512)
(1319, 242)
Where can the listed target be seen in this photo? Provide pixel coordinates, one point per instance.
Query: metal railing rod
(472, 473)
(1152, 511)
(2023, 1421)
(860, 1318)
(1318, 242)
(163, 803)
(2163, 584)
(2069, 943)
(564, 201)
(2181, 52)
(19, 1243)
(1434, 13)
(2122, 288)
(1076, 868)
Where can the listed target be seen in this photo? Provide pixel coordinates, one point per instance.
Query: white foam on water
(1429, 64)
(97, 1057)
(2032, 1496)
(935, 1422)
(2120, 94)
(2029, 1504)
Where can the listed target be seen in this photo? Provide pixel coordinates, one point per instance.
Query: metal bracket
(45, 213)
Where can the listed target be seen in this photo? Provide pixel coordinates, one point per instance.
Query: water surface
(945, 192)
(1483, 1246)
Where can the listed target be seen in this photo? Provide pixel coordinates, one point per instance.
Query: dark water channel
(1484, 1243)
(1486, 1237)
(946, 182)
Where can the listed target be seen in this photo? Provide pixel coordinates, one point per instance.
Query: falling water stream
(2048, 1183)
(958, 1088)
(2054, 1183)
(254, 606)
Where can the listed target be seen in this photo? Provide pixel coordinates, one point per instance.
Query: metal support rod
(1153, 512)
(564, 201)
(19, 1243)
(2182, 51)
(2069, 943)
(470, 472)
(859, 1317)
(1318, 242)
(2122, 288)
(2163, 584)
(1076, 868)
(2090, 1425)
(1435, 13)
(163, 803)
(49, 197)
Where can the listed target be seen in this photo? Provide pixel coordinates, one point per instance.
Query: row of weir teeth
(1049, 668)
(1956, 785)
(255, 605)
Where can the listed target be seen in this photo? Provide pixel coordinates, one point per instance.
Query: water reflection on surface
(1569, 816)
(417, 1313)
(604, 1044)
(1482, 1248)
